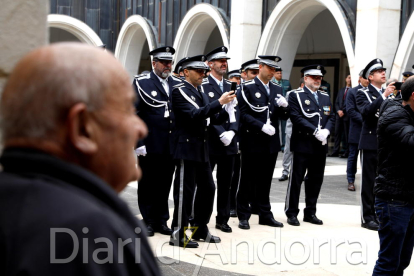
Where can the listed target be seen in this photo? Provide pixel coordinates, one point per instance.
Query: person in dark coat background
(69, 127)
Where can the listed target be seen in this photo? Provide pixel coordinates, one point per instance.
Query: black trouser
(188, 175)
(257, 174)
(235, 181)
(315, 166)
(154, 187)
(340, 129)
(225, 164)
(369, 170)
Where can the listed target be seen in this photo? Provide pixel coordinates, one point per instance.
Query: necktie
(221, 86)
(315, 94)
(346, 90)
(267, 89)
(166, 88)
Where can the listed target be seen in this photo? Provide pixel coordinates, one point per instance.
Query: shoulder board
(227, 81)
(176, 79)
(274, 83)
(205, 81)
(299, 90)
(179, 85)
(323, 93)
(142, 76)
(364, 89)
(248, 82)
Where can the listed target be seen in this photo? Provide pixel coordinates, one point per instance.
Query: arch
(75, 27)
(288, 22)
(134, 34)
(404, 57)
(196, 28)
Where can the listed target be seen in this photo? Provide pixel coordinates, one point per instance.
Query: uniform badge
(154, 93)
(327, 110)
(258, 95)
(193, 98)
(167, 49)
(223, 49)
(374, 97)
(211, 94)
(307, 102)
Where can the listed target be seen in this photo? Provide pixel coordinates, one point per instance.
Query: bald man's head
(76, 102)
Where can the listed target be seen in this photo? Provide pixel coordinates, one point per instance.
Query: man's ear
(81, 131)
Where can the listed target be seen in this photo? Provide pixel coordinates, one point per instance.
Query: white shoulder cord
(193, 103)
(254, 108)
(162, 103)
(310, 115)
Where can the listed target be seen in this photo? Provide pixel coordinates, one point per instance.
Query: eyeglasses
(314, 77)
(200, 71)
(165, 62)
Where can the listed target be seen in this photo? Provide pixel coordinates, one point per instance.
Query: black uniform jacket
(193, 113)
(160, 137)
(302, 102)
(44, 198)
(340, 103)
(252, 138)
(369, 102)
(213, 91)
(355, 118)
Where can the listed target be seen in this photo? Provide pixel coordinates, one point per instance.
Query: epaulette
(275, 83)
(364, 89)
(323, 93)
(177, 79)
(299, 90)
(228, 82)
(181, 84)
(142, 76)
(248, 82)
(205, 80)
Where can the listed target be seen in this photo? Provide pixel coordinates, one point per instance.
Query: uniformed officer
(369, 101)
(249, 70)
(194, 113)
(407, 74)
(355, 125)
(179, 69)
(222, 140)
(234, 76)
(155, 151)
(312, 119)
(261, 106)
(285, 84)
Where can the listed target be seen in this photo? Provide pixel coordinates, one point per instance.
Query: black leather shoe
(233, 213)
(223, 227)
(270, 222)
(371, 225)
(293, 221)
(150, 230)
(162, 229)
(184, 242)
(351, 187)
(206, 237)
(312, 219)
(333, 154)
(244, 224)
(283, 177)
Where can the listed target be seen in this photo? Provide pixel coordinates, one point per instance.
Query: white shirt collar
(218, 82)
(379, 90)
(311, 90)
(161, 79)
(265, 85)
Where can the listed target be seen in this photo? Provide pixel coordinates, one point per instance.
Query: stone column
(377, 32)
(23, 27)
(246, 27)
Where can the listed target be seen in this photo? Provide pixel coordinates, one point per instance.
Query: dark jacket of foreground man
(395, 152)
(40, 195)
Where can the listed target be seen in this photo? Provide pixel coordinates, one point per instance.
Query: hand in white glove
(268, 129)
(281, 101)
(141, 151)
(322, 135)
(226, 137)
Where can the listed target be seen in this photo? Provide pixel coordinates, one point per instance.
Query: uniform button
(247, 130)
(320, 110)
(257, 105)
(170, 121)
(170, 111)
(170, 131)
(168, 101)
(268, 103)
(188, 140)
(300, 132)
(270, 112)
(307, 133)
(205, 129)
(227, 122)
(370, 132)
(204, 140)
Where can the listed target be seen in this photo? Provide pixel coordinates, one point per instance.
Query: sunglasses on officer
(314, 77)
(199, 71)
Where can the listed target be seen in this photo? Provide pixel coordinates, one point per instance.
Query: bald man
(69, 127)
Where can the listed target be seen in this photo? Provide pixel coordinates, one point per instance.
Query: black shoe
(150, 230)
(333, 154)
(162, 229)
(223, 227)
(283, 177)
(371, 225)
(312, 219)
(206, 237)
(270, 222)
(233, 213)
(244, 224)
(184, 242)
(293, 221)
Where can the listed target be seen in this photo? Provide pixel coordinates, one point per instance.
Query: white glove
(226, 137)
(268, 129)
(230, 110)
(281, 101)
(141, 151)
(322, 135)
